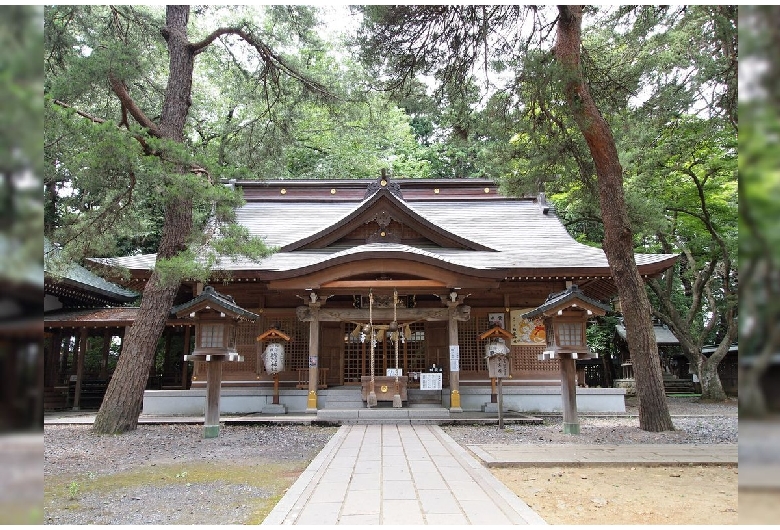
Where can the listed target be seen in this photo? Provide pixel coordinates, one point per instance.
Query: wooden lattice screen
(297, 350)
(526, 359)
(472, 350)
(246, 345)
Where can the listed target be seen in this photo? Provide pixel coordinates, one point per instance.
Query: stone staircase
(341, 398)
(424, 398)
(675, 385)
(345, 406)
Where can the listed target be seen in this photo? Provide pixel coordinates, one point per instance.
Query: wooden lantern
(273, 358)
(565, 316)
(215, 317)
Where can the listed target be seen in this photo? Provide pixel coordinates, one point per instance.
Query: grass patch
(61, 492)
(25, 514)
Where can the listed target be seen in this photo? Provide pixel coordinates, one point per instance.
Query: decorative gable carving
(384, 218)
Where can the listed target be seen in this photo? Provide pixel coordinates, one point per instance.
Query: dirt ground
(759, 506)
(681, 495)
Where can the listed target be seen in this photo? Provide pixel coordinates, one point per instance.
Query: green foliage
(21, 143)
(73, 490)
(600, 335)
(108, 182)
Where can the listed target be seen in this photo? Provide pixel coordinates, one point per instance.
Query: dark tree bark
(618, 241)
(124, 397)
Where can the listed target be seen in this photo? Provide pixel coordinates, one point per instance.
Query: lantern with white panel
(565, 316)
(273, 359)
(215, 317)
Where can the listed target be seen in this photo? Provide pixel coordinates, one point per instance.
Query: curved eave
(367, 255)
(649, 265)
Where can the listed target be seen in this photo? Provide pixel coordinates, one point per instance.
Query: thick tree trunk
(123, 401)
(618, 241)
(711, 386)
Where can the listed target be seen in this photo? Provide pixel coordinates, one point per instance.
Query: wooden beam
(404, 315)
(383, 284)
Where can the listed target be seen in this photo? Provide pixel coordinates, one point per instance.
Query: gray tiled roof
(663, 335)
(80, 277)
(523, 237)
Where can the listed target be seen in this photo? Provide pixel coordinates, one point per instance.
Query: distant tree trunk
(618, 241)
(711, 385)
(123, 401)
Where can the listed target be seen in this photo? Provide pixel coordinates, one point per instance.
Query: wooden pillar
(81, 352)
(275, 399)
(8, 390)
(52, 361)
(63, 374)
(184, 362)
(152, 368)
(104, 354)
(571, 424)
(167, 361)
(314, 348)
(493, 395)
(454, 374)
(213, 388)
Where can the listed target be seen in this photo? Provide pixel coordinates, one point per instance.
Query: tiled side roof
(80, 277)
(663, 335)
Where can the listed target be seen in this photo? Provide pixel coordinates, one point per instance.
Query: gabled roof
(384, 206)
(569, 297)
(211, 299)
(468, 229)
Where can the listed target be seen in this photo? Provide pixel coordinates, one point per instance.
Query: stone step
(383, 415)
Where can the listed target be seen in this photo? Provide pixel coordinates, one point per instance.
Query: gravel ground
(164, 473)
(170, 474)
(694, 422)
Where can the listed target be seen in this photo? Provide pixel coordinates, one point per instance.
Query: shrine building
(423, 266)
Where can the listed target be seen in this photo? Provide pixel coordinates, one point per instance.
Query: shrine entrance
(412, 353)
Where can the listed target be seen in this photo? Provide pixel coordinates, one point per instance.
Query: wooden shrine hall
(391, 279)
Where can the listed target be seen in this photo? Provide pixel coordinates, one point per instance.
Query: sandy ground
(627, 495)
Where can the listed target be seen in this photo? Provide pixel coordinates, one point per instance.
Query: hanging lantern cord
(371, 402)
(397, 403)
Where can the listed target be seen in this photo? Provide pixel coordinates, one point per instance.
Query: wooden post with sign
(496, 352)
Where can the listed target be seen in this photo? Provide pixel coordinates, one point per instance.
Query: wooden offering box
(384, 387)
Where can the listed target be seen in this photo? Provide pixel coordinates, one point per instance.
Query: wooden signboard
(498, 366)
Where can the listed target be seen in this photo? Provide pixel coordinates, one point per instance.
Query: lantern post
(565, 316)
(273, 359)
(216, 317)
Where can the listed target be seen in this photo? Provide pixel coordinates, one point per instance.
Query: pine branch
(194, 168)
(271, 59)
(129, 104)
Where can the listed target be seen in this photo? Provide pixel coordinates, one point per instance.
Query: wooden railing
(303, 378)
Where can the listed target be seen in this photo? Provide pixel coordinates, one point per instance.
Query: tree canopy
(426, 91)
